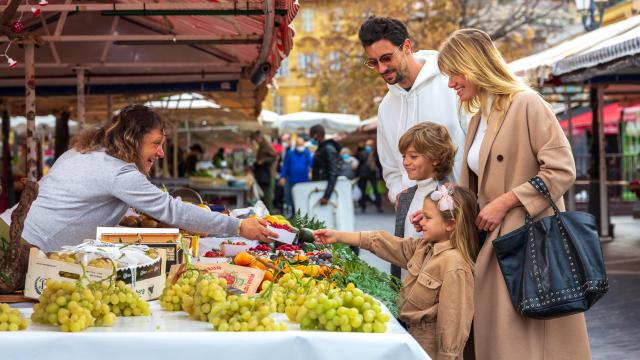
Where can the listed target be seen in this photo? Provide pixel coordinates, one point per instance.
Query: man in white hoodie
(418, 92)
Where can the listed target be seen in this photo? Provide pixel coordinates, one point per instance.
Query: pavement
(614, 321)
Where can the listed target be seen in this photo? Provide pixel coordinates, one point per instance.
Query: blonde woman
(513, 137)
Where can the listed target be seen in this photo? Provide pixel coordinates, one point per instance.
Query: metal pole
(175, 150)
(80, 97)
(30, 107)
(186, 126)
(602, 180)
(572, 189)
(109, 108)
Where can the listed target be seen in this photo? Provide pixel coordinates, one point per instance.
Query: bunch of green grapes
(347, 310)
(179, 296)
(123, 301)
(244, 313)
(290, 292)
(11, 319)
(68, 305)
(210, 290)
(103, 263)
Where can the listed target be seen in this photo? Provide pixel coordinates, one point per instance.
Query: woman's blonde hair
(470, 53)
(464, 212)
(122, 136)
(434, 142)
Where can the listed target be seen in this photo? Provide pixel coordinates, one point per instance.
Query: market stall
(167, 335)
(231, 296)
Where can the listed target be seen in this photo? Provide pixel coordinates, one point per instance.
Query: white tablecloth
(172, 335)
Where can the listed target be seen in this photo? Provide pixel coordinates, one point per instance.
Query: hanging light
(12, 63)
(43, 3)
(35, 11)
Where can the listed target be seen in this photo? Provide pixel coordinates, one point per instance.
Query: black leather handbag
(554, 266)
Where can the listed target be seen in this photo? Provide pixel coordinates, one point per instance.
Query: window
(278, 104)
(283, 70)
(308, 64)
(334, 61)
(307, 20)
(309, 102)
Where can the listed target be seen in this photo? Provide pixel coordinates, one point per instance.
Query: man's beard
(401, 74)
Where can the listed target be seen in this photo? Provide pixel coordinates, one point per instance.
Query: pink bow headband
(442, 196)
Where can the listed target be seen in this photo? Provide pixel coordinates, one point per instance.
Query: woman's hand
(282, 181)
(494, 212)
(325, 236)
(255, 229)
(415, 219)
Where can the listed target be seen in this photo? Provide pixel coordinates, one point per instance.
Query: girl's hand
(325, 236)
(415, 219)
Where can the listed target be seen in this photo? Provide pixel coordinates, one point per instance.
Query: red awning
(582, 122)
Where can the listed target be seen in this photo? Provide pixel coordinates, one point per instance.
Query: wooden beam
(30, 108)
(178, 38)
(602, 184)
(127, 65)
(80, 98)
(149, 7)
(107, 46)
(52, 45)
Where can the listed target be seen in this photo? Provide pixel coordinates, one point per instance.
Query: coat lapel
(496, 120)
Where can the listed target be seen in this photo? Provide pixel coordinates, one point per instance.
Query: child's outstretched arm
(328, 236)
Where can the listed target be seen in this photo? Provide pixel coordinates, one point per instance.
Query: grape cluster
(123, 301)
(244, 313)
(11, 320)
(209, 291)
(318, 305)
(179, 296)
(72, 306)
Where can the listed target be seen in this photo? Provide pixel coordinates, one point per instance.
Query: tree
(519, 27)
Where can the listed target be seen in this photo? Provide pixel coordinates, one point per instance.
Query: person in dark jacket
(325, 161)
(369, 172)
(295, 169)
(264, 167)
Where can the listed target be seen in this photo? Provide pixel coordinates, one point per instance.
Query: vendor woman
(104, 174)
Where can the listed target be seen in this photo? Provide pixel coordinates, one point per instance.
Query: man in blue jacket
(295, 169)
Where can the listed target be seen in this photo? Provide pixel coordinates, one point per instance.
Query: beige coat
(437, 294)
(521, 141)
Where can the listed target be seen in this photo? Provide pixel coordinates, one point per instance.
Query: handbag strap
(541, 187)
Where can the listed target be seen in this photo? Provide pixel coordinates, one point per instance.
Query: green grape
(11, 319)
(123, 301)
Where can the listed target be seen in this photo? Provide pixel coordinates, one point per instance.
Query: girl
(437, 297)
(513, 137)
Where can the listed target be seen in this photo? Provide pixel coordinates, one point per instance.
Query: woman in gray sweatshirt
(104, 174)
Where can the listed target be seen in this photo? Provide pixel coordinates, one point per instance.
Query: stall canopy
(227, 50)
(585, 51)
(303, 121)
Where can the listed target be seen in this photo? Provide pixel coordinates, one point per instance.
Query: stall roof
(587, 50)
(137, 47)
(332, 123)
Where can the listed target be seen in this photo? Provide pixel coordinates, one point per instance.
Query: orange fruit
(243, 259)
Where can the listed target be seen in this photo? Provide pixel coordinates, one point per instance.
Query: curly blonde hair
(122, 136)
(434, 142)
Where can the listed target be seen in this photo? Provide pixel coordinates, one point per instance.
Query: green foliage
(306, 221)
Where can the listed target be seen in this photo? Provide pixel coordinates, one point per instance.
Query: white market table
(172, 335)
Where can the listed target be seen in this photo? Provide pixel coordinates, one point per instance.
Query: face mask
(299, 148)
(314, 142)
(368, 149)
(345, 156)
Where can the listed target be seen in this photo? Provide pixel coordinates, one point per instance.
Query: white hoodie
(429, 99)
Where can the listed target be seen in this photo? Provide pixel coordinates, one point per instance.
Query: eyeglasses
(385, 59)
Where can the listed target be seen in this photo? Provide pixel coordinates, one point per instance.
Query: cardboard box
(158, 238)
(243, 278)
(149, 281)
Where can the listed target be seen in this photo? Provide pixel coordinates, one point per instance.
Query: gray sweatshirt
(84, 191)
